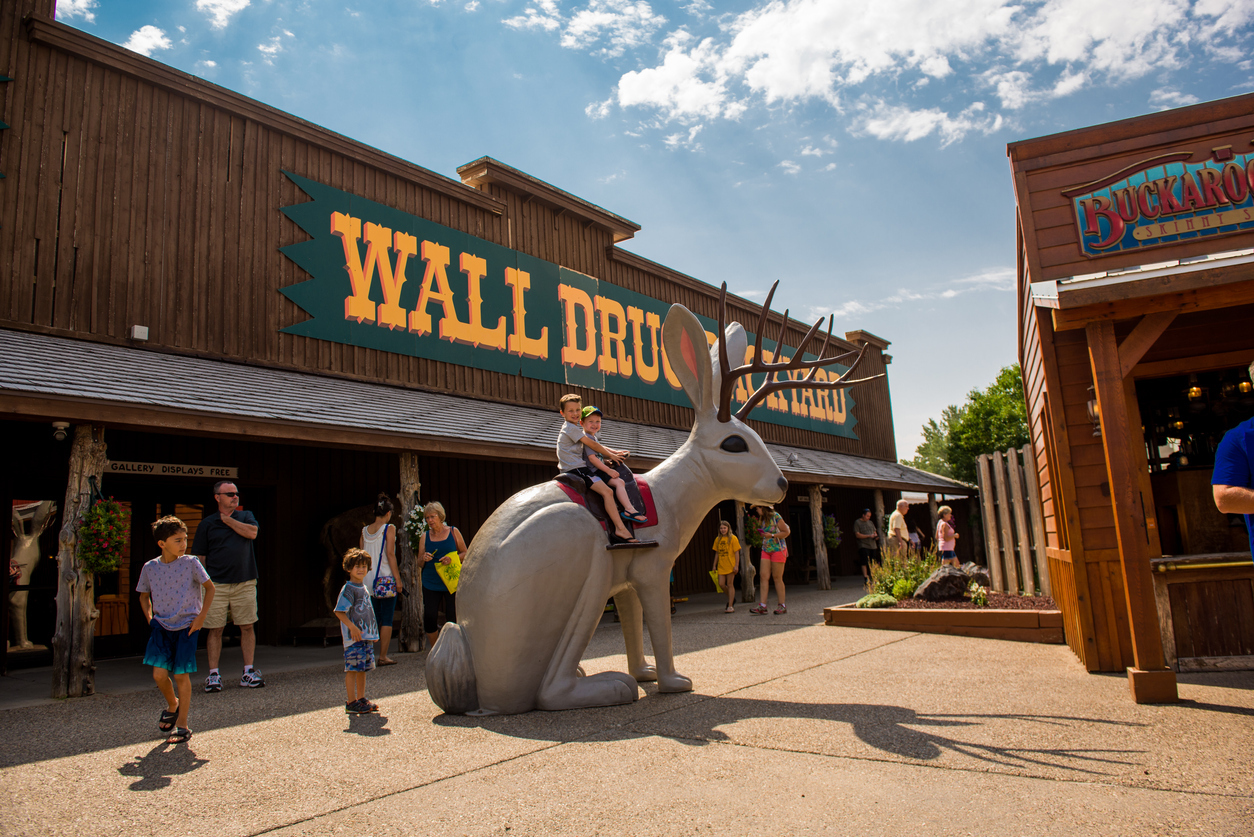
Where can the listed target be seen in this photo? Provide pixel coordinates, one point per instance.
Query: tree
(991, 419)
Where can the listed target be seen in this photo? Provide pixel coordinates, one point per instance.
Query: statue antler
(729, 376)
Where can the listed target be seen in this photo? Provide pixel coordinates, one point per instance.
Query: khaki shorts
(237, 601)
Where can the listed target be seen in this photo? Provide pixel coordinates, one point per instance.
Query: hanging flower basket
(415, 527)
(102, 536)
(831, 531)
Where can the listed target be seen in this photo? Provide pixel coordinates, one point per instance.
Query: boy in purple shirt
(170, 595)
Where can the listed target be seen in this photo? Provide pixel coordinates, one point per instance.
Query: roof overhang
(57, 378)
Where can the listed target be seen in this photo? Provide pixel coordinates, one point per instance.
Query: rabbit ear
(737, 346)
(684, 341)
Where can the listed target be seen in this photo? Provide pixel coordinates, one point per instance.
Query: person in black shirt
(224, 539)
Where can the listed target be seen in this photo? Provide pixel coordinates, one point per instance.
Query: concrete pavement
(793, 728)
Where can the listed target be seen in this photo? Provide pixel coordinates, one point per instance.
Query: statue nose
(783, 485)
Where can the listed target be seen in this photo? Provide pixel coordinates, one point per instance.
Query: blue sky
(854, 151)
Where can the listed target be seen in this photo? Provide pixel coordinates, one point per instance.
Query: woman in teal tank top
(439, 542)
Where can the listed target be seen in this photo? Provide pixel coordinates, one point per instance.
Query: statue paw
(674, 682)
(644, 674)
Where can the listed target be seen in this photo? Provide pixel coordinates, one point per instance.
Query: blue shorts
(384, 610)
(174, 651)
(948, 554)
(359, 656)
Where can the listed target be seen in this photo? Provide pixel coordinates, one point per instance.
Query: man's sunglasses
(229, 494)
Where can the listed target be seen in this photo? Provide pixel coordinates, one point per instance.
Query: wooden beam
(989, 522)
(1201, 299)
(1195, 363)
(410, 635)
(1038, 517)
(1018, 498)
(1009, 563)
(1142, 338)
(1150, 681)
(820, 546)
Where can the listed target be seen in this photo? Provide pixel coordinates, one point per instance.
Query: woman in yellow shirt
(726, 561)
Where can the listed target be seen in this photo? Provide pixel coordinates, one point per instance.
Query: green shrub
(978, 594)
(901, 565)
(902, 589)
(876, 600)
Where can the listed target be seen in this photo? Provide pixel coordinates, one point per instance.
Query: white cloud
(1013, 53)
(790, 167)
(146, 40)
(599, 110)
(830, 167)
(622, 24)
(70, 9)
(472, 6)
(685, 140)
(1163, 99)
(899, 122)
(271, 48)
(998, 280)
(221, 11)
(207, 64)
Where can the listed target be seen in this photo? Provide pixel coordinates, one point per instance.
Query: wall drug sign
(1165, 200)
(383, 279)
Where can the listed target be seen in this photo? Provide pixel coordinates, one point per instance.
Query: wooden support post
(989, 521)
(1005, 533)
(73, 663)
(748, 591)
(1150, 681)
(932, 509)
(410, 636)
(879, 520)
(820, 546)
(1019, 501)
(1038, 518)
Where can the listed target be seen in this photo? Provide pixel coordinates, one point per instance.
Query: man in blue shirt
(1233, 478)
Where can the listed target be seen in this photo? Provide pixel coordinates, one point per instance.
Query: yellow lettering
(357, 306)
(378, 241)
(838, 414)
(804, 404)
(741, 394)
(574, 299)
(668, 372)
(474, 332)
(519, 342)
(615, 362)
(820, 410)
(648, 373)
(437, 258)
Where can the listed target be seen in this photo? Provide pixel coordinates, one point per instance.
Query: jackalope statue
(537, 575)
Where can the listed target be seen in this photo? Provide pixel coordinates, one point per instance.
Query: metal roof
(57, 367)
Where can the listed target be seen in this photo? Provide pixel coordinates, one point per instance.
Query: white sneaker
(213, 683)
(252, 680)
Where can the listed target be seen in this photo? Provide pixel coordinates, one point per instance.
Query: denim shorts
(174, 651)
(359, 656)
(948, 554)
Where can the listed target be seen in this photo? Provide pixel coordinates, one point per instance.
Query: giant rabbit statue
(537, 575)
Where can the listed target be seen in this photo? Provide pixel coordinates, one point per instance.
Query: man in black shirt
(224, 539)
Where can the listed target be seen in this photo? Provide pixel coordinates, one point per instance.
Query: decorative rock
(976, 573)
(946, 583)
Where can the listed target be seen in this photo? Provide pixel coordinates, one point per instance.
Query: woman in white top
(379, 540)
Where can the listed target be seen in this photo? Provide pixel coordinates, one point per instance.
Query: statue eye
(735, 444)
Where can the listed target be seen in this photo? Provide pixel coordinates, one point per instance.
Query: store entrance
(1184, 418)
(121, 630)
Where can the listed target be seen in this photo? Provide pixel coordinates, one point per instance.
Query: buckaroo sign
(1165, 200)
(388, 280)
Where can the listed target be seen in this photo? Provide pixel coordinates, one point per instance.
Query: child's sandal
(179, 736)
(168, 719)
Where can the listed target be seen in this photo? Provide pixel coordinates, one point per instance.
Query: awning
(79, 381)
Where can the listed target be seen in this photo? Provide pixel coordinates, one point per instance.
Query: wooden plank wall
(128, 203)
(1016, 558)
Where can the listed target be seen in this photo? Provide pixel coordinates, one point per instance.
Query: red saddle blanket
(637, 490)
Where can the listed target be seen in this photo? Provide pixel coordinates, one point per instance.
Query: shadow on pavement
(155, 770)
(368, 726)
(890, 729)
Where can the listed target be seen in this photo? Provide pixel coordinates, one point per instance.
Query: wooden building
(224, 289)
(1136, 299)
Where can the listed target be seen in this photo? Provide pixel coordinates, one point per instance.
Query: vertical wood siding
(128, 204)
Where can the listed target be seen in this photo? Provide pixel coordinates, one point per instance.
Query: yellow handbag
(450, 572)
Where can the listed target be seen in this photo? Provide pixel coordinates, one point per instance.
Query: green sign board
(384, 279)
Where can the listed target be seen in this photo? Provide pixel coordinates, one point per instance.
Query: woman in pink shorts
(774, 554)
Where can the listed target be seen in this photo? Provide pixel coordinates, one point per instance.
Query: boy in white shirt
(170, 596)
(571, 441)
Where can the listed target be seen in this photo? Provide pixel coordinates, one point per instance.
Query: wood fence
(1014, 528)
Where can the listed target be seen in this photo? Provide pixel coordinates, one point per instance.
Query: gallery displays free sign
(384, 279)
(1165, 199)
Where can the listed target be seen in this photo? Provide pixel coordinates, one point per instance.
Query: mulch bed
(997, 601)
